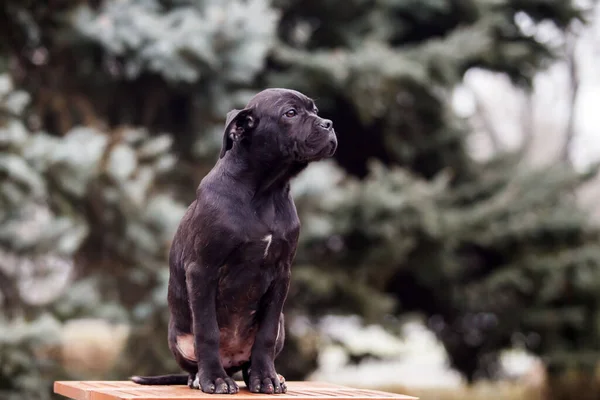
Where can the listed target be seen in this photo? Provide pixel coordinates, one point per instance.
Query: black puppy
(231, 255)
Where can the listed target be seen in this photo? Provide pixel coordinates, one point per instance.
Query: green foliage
(112, 111)
(485, 262)
(183, 41)
(386, 77)
(21, 369)
(87, 197)
(86, 177)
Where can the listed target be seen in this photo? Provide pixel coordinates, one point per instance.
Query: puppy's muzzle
(332, 145)
(327, 126)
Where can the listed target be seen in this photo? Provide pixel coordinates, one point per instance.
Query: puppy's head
(280, 125)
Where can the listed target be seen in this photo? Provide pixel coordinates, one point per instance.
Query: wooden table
(122, 390)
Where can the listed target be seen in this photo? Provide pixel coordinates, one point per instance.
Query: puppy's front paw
(220, 385)
(282, 383)
(267, 382)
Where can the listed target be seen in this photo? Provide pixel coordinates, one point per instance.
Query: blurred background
(450, 250)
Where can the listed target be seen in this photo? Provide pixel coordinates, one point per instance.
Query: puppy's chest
(269, 247)
(272, 236)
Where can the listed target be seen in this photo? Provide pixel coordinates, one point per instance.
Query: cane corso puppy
(231, 256)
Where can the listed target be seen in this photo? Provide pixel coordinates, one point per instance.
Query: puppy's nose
(326, 124)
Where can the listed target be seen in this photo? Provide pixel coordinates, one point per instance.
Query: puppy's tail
(174, 379)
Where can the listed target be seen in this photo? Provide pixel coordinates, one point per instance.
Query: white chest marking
(267, 239)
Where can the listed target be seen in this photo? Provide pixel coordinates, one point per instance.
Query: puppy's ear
(239, 123)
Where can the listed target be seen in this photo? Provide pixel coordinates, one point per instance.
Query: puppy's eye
(291, 113)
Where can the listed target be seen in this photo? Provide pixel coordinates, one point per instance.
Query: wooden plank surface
(126, 390)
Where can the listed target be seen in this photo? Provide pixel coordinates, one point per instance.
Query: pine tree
(111, 112)
(488, 252)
